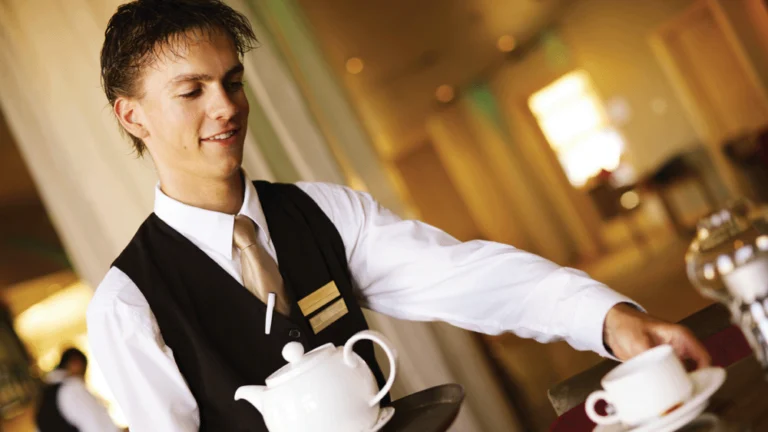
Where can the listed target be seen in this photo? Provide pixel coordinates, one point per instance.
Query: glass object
(728, 262)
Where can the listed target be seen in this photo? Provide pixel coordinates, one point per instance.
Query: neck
(220, 195)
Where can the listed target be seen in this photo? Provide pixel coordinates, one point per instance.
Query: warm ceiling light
(444, 93)
(355, 65)
(629, 200)
(506, 43)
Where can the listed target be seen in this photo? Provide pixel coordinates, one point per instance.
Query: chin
(231, 166)
(227, 161)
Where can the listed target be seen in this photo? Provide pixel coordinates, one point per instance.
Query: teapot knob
(293, 352)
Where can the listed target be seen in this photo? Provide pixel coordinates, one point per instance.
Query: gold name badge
(319, 298)
(328, 295)
(330, 315)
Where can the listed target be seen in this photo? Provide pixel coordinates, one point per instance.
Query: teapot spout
(253, 394)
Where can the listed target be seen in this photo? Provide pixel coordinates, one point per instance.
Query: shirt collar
(210, 228)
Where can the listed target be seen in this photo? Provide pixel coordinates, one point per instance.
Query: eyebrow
(205, 77)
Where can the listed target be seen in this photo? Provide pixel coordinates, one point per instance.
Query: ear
(130, 116)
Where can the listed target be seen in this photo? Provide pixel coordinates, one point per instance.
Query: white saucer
(705, 384)
(385, 415)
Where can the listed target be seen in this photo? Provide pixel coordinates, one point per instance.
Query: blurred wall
(16, 186)
(608, 39)
(749, 20)
(50, 95)
(511, 199)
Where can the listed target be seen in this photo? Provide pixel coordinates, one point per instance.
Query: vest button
(294, 334)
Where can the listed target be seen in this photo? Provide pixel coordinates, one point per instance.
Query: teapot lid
(298, 362)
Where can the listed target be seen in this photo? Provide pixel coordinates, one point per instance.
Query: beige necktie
(260, 273)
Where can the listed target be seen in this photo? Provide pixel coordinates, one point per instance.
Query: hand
(628, 332)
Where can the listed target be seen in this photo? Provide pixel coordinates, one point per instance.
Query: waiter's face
(193, 109)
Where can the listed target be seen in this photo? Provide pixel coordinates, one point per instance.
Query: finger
(687, 346)
(696, 352)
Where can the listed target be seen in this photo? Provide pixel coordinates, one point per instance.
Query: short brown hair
(71, 354)
(142, 30)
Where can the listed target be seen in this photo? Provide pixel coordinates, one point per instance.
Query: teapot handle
(385, 345)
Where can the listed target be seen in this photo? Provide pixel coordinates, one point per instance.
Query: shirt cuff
(590, 317)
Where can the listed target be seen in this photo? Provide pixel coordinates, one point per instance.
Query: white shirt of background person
(78, 406)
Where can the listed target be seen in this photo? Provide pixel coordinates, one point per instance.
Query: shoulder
(119, 302)
(330, 191)
(335, 199)
(73, 397)
(72, 386)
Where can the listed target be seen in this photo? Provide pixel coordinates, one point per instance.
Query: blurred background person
(66, 403)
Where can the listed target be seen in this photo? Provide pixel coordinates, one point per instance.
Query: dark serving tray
(430, 410)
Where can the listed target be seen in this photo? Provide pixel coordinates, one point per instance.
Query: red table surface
(726, 347)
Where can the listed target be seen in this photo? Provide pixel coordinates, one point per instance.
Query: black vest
(215, 327)
(49, 418)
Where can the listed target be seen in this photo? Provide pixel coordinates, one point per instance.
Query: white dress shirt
(402, 268)
(78, 406)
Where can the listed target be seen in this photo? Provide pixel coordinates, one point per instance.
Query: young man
(66, 404)
(179, 321)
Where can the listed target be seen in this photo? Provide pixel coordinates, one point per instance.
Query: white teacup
(646, 387)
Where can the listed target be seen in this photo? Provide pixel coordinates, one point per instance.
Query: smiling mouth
(222, 136)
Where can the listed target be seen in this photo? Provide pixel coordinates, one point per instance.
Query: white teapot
(329, 389)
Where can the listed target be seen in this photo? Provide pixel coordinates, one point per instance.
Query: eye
(235, 86)
(192, 94)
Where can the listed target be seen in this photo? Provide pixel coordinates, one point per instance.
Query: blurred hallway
(438, 121)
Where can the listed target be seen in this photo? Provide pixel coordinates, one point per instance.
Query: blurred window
(574, 121)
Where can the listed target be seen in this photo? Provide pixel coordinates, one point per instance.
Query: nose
(222, 107)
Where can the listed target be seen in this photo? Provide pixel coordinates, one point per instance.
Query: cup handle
(385, 345)
(589, 405)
